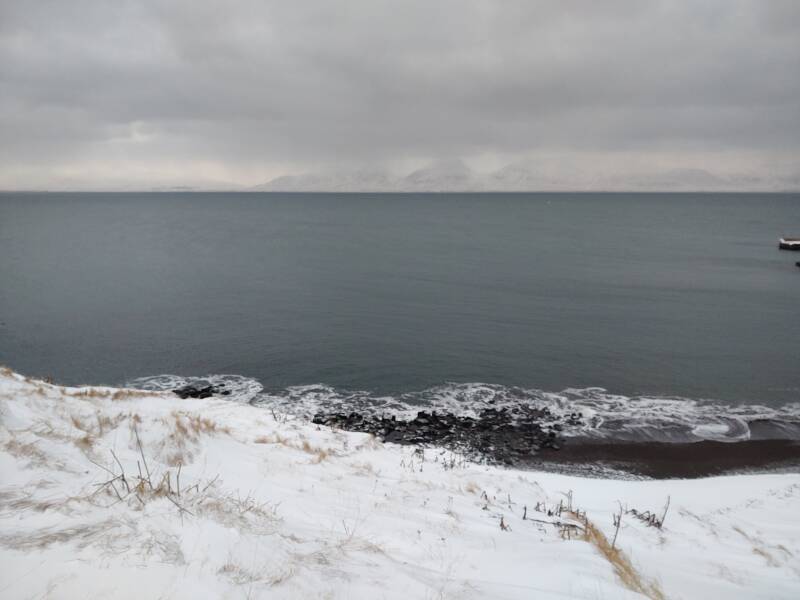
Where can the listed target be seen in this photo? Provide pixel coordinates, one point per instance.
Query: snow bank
(108, 493)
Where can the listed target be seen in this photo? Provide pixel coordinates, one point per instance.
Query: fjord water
(642, 294)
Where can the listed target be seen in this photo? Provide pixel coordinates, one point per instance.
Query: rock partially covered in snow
(496, 435)
(200, 391)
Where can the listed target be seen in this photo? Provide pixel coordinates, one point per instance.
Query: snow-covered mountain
(331, 181)
(550, 174)
(443, 176)
(538, 176)
(526, 176)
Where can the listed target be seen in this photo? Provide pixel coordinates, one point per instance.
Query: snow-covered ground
(108, 493)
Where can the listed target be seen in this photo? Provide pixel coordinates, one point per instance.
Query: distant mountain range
(456, 176)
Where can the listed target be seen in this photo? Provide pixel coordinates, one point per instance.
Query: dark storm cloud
(246, 84)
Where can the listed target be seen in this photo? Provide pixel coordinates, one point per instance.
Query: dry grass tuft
(472, 488)
(85, 442)
(761, 549)
(243, 576)
(89, 392)
(178, 458)
(275, 438)
(192, 426)
(93, 428)
(766, 556)
(184, 434)
(110, 393)
(319, 454)
(244, 514)
(237, 574)
(125, 394)
(28, 451)
(19, 500)
(623, 568)
(81, 535)
(39, 390)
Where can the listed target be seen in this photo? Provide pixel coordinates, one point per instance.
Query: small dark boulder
(194, 391)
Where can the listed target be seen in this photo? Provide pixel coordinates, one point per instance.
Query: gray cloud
(242, 91)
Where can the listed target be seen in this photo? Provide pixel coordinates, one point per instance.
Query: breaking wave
(579, 413)
(241, 389)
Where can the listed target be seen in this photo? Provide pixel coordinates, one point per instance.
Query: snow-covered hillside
(108, 493)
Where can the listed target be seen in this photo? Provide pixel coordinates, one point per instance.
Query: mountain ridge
(456, 176)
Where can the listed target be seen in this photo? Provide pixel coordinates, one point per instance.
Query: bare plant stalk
(616, 530)
(210, 483)
(180, 508)
(124, 480)
(664, 515)
(111, 483)
(144, 460)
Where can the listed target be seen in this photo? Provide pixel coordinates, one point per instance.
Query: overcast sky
(243, 91)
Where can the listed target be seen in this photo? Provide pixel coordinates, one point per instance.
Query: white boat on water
(787, 243)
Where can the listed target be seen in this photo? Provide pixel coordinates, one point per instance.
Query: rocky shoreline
(526, 437)
(531, 438)
(497, 435)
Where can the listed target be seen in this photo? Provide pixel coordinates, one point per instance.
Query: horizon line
(178, 190)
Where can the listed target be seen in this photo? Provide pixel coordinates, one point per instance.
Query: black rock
(499, 435)
(191, 391)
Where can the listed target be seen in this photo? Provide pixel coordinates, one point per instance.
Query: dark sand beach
(663, 460)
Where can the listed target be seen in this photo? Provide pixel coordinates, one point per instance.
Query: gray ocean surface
(665, 295)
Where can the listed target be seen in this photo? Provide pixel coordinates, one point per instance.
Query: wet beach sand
(665, 460)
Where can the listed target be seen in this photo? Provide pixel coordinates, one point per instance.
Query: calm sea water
(657, 294)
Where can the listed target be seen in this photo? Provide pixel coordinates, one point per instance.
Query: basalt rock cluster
(200, 391)
(498, 434)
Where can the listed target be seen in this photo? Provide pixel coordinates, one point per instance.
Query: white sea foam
(242, 389)
(583, 412)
